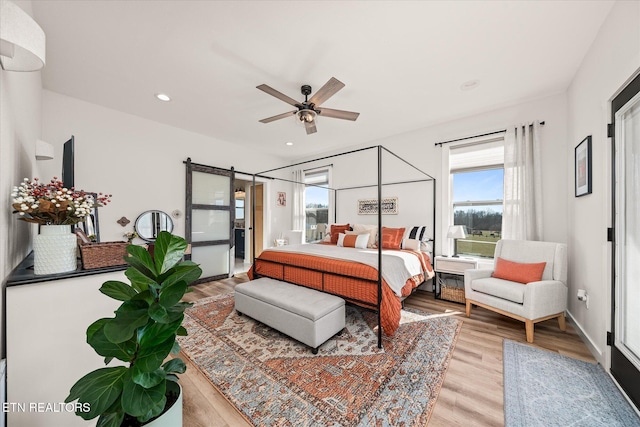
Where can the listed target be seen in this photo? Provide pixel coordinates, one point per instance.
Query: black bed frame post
(379, 245)
(433, 248)
(253, 227)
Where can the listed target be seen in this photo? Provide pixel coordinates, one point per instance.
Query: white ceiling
(402, 62)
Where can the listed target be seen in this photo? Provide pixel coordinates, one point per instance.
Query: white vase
(171, 418)
(54, 250)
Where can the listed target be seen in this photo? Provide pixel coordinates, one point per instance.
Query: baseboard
(593, 348)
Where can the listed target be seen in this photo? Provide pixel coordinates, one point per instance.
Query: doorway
(625, 278)
(243, 225)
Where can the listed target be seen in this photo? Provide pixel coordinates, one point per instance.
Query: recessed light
(471, 84)
(288, 143)
(163, 97)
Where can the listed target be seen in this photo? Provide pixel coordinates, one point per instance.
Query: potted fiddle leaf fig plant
(142, 334)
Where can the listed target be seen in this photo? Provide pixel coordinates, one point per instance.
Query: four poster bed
(378, 273)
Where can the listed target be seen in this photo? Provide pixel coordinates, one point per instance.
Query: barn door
(210, 214)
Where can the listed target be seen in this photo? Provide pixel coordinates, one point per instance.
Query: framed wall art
(282, 198)
(583, 167)
(370, 206)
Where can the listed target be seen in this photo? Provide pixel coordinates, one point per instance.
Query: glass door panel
(214, 260)
(209, 225)
(210, 189)
(209, 218)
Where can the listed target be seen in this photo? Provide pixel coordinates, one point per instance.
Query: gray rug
(547, 389)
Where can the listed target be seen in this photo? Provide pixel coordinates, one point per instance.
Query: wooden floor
(472, 391)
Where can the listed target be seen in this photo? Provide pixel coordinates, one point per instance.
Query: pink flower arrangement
(52, 204)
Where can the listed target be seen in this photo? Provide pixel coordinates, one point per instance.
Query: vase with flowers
(55, 208)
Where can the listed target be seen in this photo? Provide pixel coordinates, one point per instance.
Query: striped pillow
(418, 233)
(350, 240)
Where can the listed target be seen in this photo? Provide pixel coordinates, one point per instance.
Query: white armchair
(532, 302)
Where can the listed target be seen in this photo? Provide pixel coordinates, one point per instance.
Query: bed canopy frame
(380, 150)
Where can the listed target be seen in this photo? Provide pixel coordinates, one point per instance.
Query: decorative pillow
(392, 237)
(337, 229)
(418, 233)
(412, 244)
(518, 272)
(365, 228)
(350, 240)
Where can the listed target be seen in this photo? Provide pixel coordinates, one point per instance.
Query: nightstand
(449, 280)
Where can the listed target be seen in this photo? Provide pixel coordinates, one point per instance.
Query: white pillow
(365, 228)
(412, 244)
(359, 242)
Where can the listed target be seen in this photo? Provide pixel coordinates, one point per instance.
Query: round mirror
(150, 223)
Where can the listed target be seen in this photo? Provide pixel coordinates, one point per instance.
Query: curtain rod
(475, 136)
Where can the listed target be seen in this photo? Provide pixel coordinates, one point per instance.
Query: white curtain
(522, 213)
(297, 223)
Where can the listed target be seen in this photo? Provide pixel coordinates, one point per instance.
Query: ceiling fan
(310, 108)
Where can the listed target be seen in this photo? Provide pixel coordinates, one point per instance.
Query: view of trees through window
(316, 198)
(477, 204)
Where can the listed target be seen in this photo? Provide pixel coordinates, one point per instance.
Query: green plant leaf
(96, 338)
(168, 251)
(172, 377)
(108, 360)
(139, 281)
(154, 412)
(176, 348)
(118, 290)
(186, 271)
(110, 419)
(182, 331)
(147, 379)
(129, 317)
(158, 313)
(171, 295)
(175, 366)
(145, 296)
(99, 389)
(156, 333)
(139, 401)
(141, 259)
(151, 357)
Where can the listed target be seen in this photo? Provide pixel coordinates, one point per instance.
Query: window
(316, 196)
(477, 181)
(239, 208)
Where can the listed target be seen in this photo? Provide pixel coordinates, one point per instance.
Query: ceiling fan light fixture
(306, 115)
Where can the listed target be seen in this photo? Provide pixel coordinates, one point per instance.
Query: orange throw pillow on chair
(518, 272)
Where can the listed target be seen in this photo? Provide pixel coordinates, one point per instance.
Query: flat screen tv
(67, 164)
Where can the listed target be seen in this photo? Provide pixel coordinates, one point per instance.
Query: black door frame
(625, 373)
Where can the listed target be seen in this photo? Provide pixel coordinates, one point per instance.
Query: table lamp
(456, 232)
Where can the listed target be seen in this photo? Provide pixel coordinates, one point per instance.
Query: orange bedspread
(360, 288)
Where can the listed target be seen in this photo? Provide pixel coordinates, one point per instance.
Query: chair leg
(468, 309)
(528, 325)
(561, 322)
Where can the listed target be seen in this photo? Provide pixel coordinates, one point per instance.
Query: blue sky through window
(479, 185)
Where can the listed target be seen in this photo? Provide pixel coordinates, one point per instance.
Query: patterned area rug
(547, 389)
(274, 380)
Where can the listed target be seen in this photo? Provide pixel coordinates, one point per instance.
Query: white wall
(138, 161)
(418, 147)
(613, 58)
(20, 113)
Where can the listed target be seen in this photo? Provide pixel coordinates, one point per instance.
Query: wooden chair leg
(528, 325)
(468, 309)
(561, 322)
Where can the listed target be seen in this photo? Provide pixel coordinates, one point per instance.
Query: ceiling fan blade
(278, 117)
(281, 96)
(338, 114)
(327, 91)
(310, 127)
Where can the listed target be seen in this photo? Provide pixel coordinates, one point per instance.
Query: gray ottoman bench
(307, 315)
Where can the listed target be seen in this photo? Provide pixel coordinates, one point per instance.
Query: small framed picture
(282, 198)
(583, 167)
